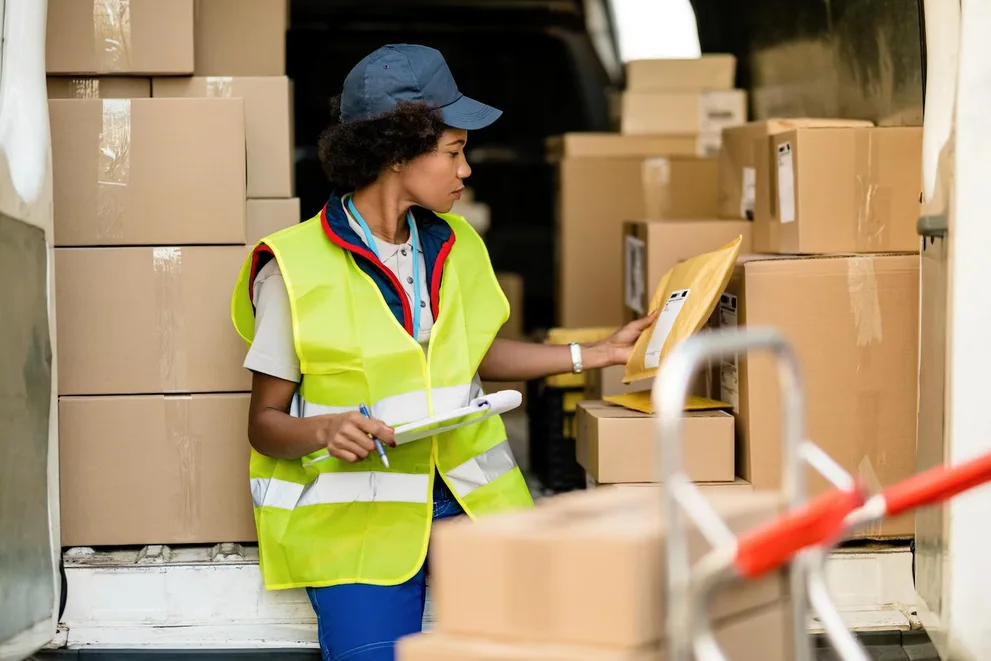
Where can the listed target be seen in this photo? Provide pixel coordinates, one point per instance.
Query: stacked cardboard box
(152, 222)
(582, 576)
(692, 96)
(833, 205)
(662, 165)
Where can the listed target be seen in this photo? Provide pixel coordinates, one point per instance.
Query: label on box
(634, 267)
(729, 368)
(662, 327)
(748, 193)
(786, 183)
(719, 109)
(708, 144)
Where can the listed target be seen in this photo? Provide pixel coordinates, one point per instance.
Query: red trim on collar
(370, 256)
(260, 248)
(445, 250)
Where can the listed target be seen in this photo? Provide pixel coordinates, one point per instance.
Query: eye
(454, 154)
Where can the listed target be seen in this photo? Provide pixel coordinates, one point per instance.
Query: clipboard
(495, 404)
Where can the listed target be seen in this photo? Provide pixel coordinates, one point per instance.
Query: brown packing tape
(172, 362)
(220, 87)
(112, 34)
(113, 168)
(183, 445)
(84, 88)
(656, 176)
(873, 200)
(865, 310)
(865, 306)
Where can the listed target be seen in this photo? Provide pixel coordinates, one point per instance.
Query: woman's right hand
(346, 435)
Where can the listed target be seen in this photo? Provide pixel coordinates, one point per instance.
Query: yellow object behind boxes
(686, 297)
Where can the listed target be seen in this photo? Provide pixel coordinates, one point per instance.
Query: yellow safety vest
(334, 522)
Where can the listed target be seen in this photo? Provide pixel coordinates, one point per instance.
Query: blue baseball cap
(405, 72)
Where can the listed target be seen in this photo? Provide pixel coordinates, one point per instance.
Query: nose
(464, 170)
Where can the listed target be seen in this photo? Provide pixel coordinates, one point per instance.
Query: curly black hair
(355, 153)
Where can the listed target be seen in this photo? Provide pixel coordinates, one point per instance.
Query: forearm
(511, 360)
(279, 435)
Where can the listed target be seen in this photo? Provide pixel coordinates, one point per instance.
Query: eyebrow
(456, 142)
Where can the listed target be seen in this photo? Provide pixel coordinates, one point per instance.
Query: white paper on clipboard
(495, 404)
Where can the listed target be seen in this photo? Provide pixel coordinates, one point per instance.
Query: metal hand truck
(802, 536)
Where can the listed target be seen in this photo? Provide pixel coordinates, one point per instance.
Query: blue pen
(378, 443)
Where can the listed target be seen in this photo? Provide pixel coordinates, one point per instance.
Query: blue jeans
(359, 622)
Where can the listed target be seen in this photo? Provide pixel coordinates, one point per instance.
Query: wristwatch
(576, 358)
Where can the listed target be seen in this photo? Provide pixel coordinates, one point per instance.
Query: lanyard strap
(414, 240)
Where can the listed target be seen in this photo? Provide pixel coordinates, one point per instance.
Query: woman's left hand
(618, 346)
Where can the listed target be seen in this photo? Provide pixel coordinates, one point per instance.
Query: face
(434, 181)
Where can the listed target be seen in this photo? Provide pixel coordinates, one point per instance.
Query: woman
(384, 300)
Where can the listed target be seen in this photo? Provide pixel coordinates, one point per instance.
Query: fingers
(376, 428)
(344, 455)
(643, 322)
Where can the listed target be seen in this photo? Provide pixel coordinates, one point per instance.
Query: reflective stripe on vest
(400, 409)
(381, 486)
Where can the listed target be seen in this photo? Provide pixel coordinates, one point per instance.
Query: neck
(384, 211)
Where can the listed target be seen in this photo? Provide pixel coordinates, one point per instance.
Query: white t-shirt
(273, 351)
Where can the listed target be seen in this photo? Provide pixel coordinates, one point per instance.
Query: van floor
(881, 646)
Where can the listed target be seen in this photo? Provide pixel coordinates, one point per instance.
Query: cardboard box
(154, 469)
(763, 634)
(616, 445)
(241, 37)
(148, 171)
(148, 320)
(120, 37)
(104, 87)
(853, 323)
(599, 187)
(268, 125)
(680, 187)
(607, 381)
(737, 486)
(586, 568)
(745, 155)
(707, 111)
(614, 145)
(651, 249)
(711, 71)
(845, 190)
(267, 217)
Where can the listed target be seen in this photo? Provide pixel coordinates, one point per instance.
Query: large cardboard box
(148, 320)
(711, 71)
(582, 569)
(742, 193)
(241, 37)
(269, 216)
(154, 469)
(616, 445)
(148, 171)
(853, 323)
(93, 37)
(599, 187)
(652, 248)
(102, 87)
(680, 187)
(706, 111)
(737, 486)
(845, 190)
(268, 125)
(761, 634)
